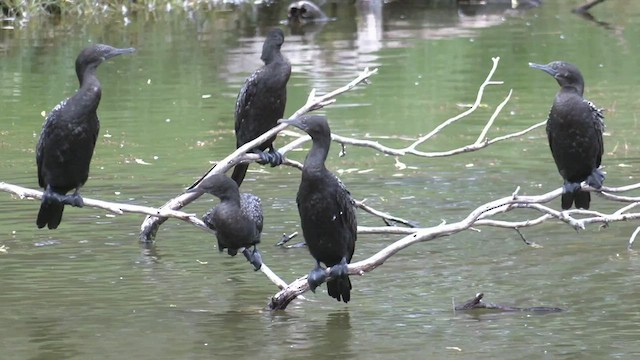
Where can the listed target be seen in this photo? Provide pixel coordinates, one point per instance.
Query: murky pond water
(88, 290)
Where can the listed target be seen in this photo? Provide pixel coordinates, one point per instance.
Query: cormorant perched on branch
(261, 102)
(237, 219)
(327, 212)
(68, 137)
(574, 129)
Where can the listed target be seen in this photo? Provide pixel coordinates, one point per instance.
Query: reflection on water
(50, 339)
(90, 290)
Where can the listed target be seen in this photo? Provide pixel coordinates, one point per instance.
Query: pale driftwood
(150, 225)
(478, 217)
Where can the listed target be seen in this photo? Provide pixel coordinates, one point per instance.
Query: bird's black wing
(49, 128)
(598, 123)
(549, 133)
(243, 102)
(347, 216)
(251, 207)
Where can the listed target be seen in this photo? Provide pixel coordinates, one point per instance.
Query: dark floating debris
(477, 303)
(286, 238)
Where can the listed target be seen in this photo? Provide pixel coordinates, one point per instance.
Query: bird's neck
(87, 76)
(230, 198)
(89, 93)
(569, 89)
(271, 55)
(317, 155)
(89, 84)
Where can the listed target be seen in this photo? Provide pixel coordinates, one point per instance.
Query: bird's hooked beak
(294, 122)
(546, 68)
(116, 51)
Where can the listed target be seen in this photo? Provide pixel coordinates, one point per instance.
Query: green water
(89, 290)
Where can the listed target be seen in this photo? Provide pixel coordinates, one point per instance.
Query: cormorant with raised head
(237, 219)
(261, 103)
(574, 130)
(68, 138)
(327, 212)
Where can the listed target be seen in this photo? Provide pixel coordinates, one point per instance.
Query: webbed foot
(74, 200)
(339, 270)
(596, 179)
(316, 277)
(254, 258)
(273, 158)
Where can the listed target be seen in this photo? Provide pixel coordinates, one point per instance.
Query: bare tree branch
(481, 216)
(477, 217)
(150, 225)
(118, 208)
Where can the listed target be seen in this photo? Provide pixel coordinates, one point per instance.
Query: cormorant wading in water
(261, 103)
(327, 212)
(237, 219)
(574, 129)
(68, 137)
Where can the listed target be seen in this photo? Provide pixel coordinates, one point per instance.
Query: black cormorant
(261, 102)
(327, 212)
(68, 137)
(574, 129)
(237, 219)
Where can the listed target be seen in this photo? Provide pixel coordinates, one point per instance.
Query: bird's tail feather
(582, 200)
(50, 214)
(239, 172)
(340, 288)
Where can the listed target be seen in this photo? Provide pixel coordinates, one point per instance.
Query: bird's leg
(75, 199)
(273, 157)
(49, 196)
(596, 179)
(316, 277)
(570, 187)
(254, 258)
(340, 270)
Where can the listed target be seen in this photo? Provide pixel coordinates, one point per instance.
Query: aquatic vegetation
(23, 10)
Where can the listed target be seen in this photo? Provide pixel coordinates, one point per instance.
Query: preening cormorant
(261, 102)
(237, 219)
(327, 212)
(574, 130)
(68, 137)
